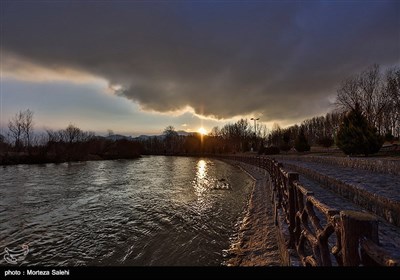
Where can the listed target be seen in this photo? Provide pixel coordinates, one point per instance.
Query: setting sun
(202, 131)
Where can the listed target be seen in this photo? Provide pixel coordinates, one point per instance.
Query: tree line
(367, 112)
(372, 95)
(236, 137)
(70, 144)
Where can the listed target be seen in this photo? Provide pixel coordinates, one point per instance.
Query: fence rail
(319, 234)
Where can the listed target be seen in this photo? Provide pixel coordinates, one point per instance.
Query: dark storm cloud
(281, 59)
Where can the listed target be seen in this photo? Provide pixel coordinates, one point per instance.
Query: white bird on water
(13, 256)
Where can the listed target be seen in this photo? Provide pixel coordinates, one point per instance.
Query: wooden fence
(319, 234)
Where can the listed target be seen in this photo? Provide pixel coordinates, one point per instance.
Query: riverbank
(39, 159)
(58, 152)
(257, 243)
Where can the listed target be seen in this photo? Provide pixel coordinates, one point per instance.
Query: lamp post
(255, 131)
(255, 125)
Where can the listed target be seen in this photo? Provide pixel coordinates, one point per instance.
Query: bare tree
(369, 84)
(15, 126)
(215, 132)
(393, 85)
(39, 140)
(375, 95)
(393, 90)
(21, 128)
(367, 90)
(27, 126)
(262, 131)
(348, 94)
(71, 134)
(274, 138)
(169, 131)
(52, 136)
(171, 137)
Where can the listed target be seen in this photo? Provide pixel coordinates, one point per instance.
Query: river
(154, 210)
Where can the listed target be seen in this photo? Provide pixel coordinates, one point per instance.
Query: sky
(136, 67)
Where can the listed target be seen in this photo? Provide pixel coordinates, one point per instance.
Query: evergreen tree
(286, 139)
(301, 143)
(356, 136)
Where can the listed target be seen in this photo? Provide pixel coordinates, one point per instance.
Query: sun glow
(202, 131)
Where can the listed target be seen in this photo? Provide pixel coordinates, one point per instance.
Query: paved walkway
(385, 185)
(389, 235)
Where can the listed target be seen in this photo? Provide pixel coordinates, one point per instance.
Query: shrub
(325, 141)
(301, 143)
(389, 137)
(285, 147)
(272, 150)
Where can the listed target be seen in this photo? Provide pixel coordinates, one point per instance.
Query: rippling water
(149, 211)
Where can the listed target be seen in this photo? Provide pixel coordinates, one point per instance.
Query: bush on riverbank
(93, 149)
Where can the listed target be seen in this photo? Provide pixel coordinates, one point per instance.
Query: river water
(150, 211)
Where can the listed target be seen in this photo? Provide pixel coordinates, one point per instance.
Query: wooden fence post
(354, 226)
(292, 176)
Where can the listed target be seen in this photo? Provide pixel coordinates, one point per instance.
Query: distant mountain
(142, 137)
(147, 137)
(183, 133)
(116, 137)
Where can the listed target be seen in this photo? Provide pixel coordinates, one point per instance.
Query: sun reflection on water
(201, 169)
(201, 180)
(201, 186)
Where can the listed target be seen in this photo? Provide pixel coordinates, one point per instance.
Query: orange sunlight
(202, 131)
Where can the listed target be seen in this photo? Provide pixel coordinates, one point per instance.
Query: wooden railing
(319, 234)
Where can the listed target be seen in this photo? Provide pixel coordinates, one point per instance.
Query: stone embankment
(389, 234)
(257, 243)
(376, 165)
(378, 193)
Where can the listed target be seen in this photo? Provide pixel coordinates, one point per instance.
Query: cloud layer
(223, 59)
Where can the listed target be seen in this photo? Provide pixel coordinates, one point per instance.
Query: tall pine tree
(357, 136)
